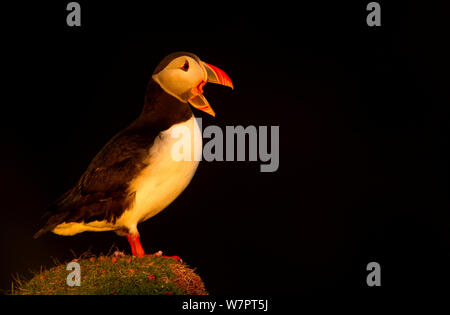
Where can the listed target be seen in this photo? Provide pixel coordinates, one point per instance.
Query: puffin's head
(183, 76)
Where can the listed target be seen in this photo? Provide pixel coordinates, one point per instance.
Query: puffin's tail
(41, 232)
(54, 215)
(52, 222)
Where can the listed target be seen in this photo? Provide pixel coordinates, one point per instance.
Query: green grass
(116, 274)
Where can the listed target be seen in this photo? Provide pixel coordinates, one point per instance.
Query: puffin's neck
(161, 109)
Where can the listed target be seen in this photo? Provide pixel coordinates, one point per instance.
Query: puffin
(135, 176)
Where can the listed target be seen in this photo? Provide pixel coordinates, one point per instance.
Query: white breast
(164, 178)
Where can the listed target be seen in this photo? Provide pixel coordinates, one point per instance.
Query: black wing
(102, 191)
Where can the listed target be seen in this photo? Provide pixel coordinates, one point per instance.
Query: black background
(363, 116)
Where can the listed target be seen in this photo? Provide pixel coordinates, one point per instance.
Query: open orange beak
(218, 76)
(214, 75)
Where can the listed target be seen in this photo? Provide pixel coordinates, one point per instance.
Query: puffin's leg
(138, 247)
(130, 240)
(135, 244)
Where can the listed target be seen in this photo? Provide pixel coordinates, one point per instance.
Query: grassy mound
(117, 274)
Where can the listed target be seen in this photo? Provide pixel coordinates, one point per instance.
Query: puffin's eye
(185, 67)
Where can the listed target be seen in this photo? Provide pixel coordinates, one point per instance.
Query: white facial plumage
(180, 76)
